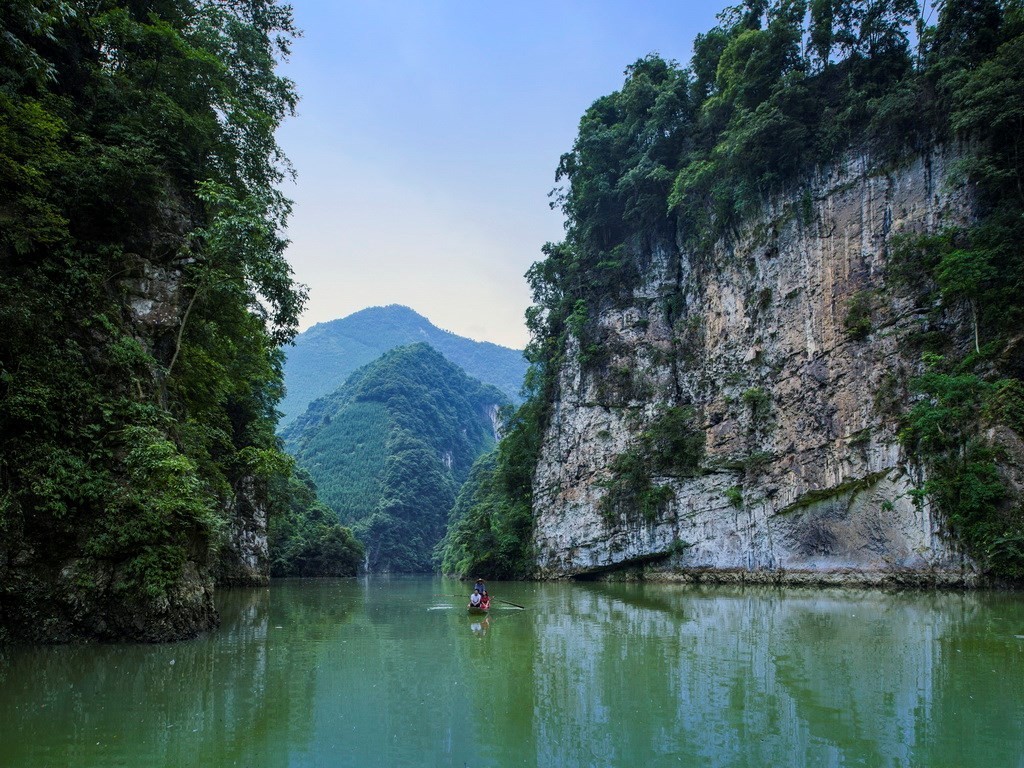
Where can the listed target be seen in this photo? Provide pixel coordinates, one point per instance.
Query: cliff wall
(790, 342)
(157, 309)
(57, 591)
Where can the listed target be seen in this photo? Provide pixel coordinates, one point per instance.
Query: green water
(386, 673)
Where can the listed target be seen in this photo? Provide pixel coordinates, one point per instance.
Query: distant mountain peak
(326, 354)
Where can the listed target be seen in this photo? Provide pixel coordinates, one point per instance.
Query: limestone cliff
(245, 557)
(788, 340)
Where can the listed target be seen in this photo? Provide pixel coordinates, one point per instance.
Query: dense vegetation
(672, 445)
(324, 356)
(306, 539)
(144, 297)
(491, 524)
(682, 156)
(391, 447)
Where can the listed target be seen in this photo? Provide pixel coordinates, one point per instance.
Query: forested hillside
(390, 449)
(305, 538)
(324, 356)
(677, 162)
(144, 296)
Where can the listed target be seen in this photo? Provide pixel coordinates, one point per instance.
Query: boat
(479, 610)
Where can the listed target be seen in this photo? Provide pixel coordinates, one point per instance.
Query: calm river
(378, 672)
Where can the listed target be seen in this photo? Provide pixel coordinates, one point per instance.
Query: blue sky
(427, 139)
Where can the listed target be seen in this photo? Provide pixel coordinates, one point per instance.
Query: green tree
(964, 275)
(144, 295)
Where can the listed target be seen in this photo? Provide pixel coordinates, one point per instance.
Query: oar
(506, 602)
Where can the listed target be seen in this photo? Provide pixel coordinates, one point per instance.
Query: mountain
(390, 448)
(324, 356)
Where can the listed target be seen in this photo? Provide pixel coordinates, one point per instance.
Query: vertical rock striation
(789, 342)
(245, 558)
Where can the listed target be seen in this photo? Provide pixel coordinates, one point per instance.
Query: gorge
(780, 341)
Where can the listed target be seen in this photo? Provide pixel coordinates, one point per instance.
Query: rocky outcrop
(789, 340)
(85, 599)
(245, 557)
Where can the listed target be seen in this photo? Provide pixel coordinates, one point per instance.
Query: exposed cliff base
(791, 347)
(894, 579)
(852, 536)
(85, 601)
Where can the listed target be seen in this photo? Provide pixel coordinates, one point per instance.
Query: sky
(427, 138)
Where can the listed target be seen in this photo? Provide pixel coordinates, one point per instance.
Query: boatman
(479, 586)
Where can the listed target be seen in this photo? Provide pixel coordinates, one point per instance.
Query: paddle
(506, 602)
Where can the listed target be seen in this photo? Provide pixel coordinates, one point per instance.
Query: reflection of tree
(977, 687)
(505, 699)
(411, 686)
(239, 696)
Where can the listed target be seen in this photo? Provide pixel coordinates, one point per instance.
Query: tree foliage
(965, 480)
(307, 539)
(490, 527)
(670, 447)
(143, 291)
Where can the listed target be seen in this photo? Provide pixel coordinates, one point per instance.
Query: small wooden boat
(476, 610)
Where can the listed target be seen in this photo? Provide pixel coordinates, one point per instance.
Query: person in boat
(485, 601)
(475, 599)
(480, 586)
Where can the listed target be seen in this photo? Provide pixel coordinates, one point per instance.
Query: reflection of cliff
(764, 678)
(386, 673)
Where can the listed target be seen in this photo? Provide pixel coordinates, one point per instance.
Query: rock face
(245, 558)
(789, 343)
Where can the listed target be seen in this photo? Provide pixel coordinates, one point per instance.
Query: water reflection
(762, 677)
(378, 672)
(479, 628)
